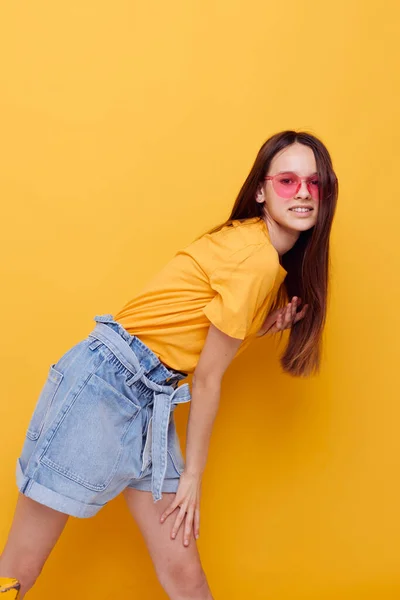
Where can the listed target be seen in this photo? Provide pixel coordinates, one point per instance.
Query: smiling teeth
(300, 209)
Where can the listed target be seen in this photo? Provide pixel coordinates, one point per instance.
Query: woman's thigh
(168, 555)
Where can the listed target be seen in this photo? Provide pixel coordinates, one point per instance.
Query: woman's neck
(282, 239)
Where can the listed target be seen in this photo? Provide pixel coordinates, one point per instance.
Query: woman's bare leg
(33, 534)
(178, 567)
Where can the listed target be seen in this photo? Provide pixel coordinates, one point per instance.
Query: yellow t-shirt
(229, 277)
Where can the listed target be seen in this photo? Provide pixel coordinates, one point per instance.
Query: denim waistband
(151, 364)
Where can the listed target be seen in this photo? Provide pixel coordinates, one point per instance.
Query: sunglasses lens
(313, 187)
(286, 184)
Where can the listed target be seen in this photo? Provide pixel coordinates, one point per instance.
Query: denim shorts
(103, 422)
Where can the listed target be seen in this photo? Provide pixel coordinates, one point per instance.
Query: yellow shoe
(10, 587)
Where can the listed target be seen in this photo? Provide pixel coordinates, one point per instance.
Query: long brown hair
(307, 262)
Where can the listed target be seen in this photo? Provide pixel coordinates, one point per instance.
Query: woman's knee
(184, 579)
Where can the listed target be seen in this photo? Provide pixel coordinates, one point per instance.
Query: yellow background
(127, 129)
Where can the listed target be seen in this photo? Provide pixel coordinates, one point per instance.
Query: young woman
(104, 422)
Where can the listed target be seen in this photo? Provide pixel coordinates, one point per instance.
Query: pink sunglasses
(287, 185)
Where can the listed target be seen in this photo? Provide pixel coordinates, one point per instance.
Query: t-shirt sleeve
(241, 284)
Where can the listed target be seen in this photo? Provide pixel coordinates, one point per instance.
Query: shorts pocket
(43, 404)
(90, 435)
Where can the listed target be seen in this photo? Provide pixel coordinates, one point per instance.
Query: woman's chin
(300, 223)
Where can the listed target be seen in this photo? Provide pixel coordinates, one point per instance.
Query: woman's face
(280, 197)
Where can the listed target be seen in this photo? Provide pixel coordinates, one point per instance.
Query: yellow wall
(127, 128)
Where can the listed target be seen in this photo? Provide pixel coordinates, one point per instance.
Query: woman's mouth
(301, 211)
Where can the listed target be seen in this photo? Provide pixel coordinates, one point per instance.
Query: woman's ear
(260, 195)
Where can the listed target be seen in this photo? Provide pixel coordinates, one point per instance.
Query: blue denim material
(104, 421)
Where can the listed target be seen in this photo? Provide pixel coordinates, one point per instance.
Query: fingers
(186, 505)
(180, 516)
(196, 525)
(279, 320)
(178, 522)
(295, 303)
(287, 318)
(169, 510)
(191, 516)
(188, 525)
(302, 313)
(192, 521)
(288, 315)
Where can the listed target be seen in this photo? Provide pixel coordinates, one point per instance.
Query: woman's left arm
(218, 352)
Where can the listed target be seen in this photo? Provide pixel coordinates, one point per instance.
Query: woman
(104, 419)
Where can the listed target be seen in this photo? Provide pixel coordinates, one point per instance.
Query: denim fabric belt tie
(157, 431)
(165, 399)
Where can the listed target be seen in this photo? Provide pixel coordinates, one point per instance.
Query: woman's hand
(284, 318)
(187, 499)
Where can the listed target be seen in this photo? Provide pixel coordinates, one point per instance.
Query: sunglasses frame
(300, 180)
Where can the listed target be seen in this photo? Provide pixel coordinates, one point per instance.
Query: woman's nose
(303, 191)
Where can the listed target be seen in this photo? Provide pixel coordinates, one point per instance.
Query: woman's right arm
(218, 352)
